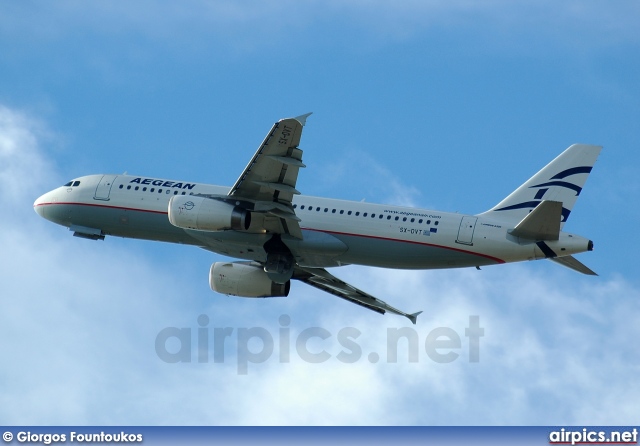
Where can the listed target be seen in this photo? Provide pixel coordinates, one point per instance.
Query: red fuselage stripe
(495, 259)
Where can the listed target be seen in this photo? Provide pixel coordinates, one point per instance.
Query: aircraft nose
(39, 205)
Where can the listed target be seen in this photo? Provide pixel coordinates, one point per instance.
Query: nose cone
(40, 205)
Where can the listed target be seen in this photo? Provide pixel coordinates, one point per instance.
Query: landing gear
(280, 261)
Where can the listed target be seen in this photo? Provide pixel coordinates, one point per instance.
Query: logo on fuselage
(163, 183)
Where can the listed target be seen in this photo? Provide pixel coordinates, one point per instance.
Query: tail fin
(561, 180)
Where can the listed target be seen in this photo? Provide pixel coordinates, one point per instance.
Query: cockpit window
(69, 184)
(72, 184)
(76, 183)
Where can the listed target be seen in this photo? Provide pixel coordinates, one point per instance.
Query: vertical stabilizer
(561, 180)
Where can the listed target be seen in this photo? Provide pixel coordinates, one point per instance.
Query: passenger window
(333, 211)
(412, 220)
(128, 187)
(153, 189)
(436, 223)
(397, 218)
(364, 215)
(318, 209)
(388, 217)
(428, 222)
(404, 218)
(341, 211)
(349, 213)
(420, 221)
(159, 191)
(326, 209)
(121, 186)
(144, 189)
(357, 213)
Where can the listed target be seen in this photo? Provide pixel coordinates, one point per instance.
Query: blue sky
(445, 105)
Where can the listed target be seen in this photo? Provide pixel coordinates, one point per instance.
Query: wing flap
(281, 187)
(287, 215)
(276, 161)
(269, 180)
(288, 160)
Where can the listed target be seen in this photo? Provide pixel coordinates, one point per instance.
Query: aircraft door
(465, 232)
(104, 187)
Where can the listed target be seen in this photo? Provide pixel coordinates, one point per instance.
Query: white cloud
(79, 320)
(19, 156)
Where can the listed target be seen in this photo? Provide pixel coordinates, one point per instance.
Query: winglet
(413, 317)
(302, 119)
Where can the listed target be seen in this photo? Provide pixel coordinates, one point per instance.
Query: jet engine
(206, 214)
(244, 279)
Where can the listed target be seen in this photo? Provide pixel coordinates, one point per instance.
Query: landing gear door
(104, 187)
(467, 227)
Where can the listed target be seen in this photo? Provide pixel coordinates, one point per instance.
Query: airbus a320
(281, 235)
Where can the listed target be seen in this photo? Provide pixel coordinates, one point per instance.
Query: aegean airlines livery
(282, 235)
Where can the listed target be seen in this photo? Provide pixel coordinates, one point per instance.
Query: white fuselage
(336, 232)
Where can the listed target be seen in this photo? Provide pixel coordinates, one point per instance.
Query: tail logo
(544, 187)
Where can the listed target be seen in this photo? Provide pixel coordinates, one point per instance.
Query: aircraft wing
(323, 280)
(269, 180)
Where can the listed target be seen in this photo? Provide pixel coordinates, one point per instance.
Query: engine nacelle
(206, 214)
(244, 280)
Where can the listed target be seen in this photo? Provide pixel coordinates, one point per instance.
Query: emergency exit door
(465, 232)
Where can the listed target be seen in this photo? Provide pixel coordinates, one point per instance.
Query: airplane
(281, 235)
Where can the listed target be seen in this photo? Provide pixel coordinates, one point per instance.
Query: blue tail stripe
(571, 186)
(572, 171)
(540, 194)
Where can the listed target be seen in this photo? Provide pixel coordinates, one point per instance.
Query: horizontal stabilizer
(543, 223)
(574, 264)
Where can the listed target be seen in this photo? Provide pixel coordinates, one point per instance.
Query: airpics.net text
(256, 345)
